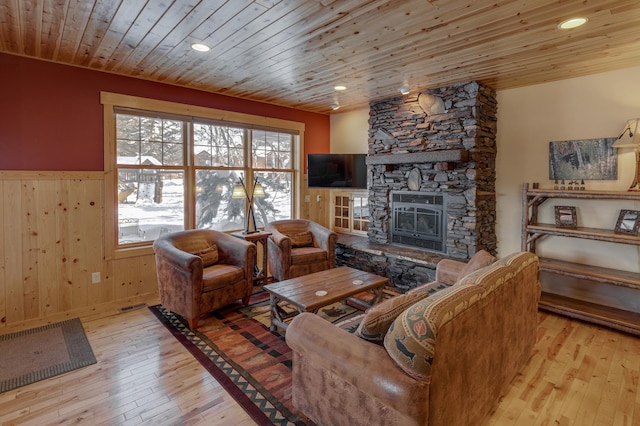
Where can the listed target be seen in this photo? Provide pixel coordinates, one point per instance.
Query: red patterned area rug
(253, 364)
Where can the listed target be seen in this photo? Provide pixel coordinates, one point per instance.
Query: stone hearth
(405, 267)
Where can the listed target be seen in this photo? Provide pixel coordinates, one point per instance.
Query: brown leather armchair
(299, 247)
(195, 278)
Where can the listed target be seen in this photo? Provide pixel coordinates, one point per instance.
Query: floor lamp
(630, 138)
(240, 191)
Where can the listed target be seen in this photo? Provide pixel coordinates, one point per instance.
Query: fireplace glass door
(419, 222)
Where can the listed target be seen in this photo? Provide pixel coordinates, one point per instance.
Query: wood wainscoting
(315, 203)
(51, 241)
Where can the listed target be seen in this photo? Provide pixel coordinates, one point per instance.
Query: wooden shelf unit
(603, 296)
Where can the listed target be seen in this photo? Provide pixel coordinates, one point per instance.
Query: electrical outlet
(307, 198)
(95, 277)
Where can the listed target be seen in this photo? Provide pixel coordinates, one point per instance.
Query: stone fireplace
(439, 146)
(438, 142)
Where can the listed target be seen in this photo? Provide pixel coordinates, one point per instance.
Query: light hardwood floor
(579, 374)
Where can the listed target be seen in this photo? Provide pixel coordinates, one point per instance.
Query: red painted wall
(51, 116)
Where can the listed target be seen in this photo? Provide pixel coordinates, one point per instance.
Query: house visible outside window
(175, 172)
(151, 170)
(220, 161)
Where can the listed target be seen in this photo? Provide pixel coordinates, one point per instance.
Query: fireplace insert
(418, 219)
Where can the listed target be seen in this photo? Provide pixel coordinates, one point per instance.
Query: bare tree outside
(152, 175)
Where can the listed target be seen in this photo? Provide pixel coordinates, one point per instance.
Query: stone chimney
(445, 139)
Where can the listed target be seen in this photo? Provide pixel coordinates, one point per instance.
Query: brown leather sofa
(202, 270)
(445, 360)
(299, 247)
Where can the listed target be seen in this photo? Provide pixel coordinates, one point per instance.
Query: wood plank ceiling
(293, 52)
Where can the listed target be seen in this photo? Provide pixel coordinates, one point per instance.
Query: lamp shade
(630, 137)
(238, 191)
(258, 190)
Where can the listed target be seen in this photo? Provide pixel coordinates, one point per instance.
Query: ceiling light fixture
(200, 47)
(405, 90)
(572, 23)
(340, 87)
(335, 106)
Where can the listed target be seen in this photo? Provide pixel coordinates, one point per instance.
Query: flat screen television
(337, 170)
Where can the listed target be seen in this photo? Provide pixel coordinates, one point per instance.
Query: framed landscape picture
(589, 159)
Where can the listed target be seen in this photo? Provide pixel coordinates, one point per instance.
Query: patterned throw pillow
(303, 239)
(209, 255)
(378, 319)
(411, 339)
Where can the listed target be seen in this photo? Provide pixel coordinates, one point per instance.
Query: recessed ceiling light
(340, 87)
(335, 106)
(200, 47)
(405, 90)
(572, 23)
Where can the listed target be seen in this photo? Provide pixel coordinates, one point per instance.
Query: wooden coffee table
(305, 293)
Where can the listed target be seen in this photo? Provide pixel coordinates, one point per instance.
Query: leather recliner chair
(202, 270)
(299, 247)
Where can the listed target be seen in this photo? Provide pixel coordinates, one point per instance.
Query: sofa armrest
(322, 235)
(179, 259)
(280, 240)
(279, 246)
(356, 361)
(326, 239)
(234, 251)
(448, 270)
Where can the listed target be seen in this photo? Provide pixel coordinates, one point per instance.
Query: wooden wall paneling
(149, 277)
(3, 268)
(52, 239)
(79, 235)
(12, 230)
(46, 242)
(67, 258)
(105, 291)
(94, 214)
(30, 270)
(134, 276)
(124, 271)
(313, 209)
(319, 210)
(304, 192)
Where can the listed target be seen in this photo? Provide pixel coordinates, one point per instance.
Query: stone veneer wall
(466, 128)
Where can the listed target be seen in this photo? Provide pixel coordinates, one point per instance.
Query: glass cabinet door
(351, 212)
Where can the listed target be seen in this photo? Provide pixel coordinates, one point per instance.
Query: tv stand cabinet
(603, 296)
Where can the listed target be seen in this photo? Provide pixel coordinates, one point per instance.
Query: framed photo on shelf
(566, 217)
(628, 222)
